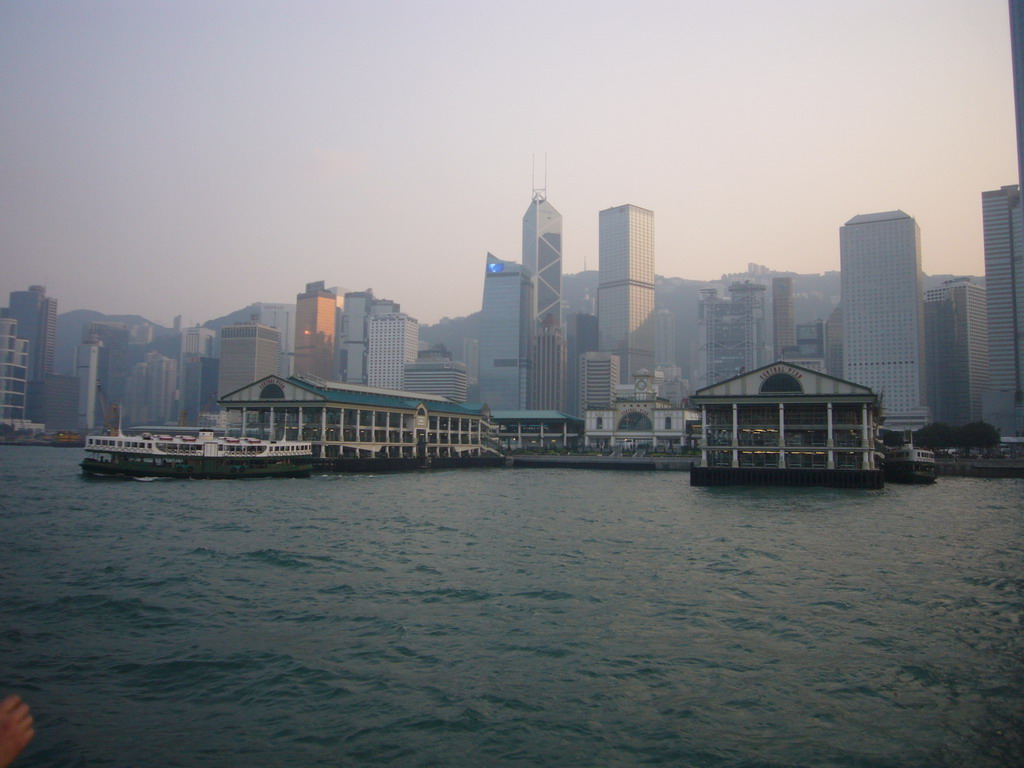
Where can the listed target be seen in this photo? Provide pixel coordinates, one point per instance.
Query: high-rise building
(359, 307)
(582, 338)
(506, 325)
(834, 343)
(1017, 54)
(150, 392)
(783, 324)
(248, 352)
(808, 348)
(282, 317)
(599, 377)
(198, 393)
(665, 339)
(13, 372)
(112, 374)
(542, 256)
(625, 291)
(316, 324)
(956, 340)
(883, 313)
(730, 332)
(392, 341)
(37, 323)
(548, 363)
(436, 373)
(87, 371)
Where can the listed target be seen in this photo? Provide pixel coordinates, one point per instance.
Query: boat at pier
(198, 457)
(908, 464)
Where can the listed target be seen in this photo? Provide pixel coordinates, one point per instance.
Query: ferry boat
(908, 464)
(189, 456)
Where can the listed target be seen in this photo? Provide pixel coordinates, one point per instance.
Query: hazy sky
(178, 157)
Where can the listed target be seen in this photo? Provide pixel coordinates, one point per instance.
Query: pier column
(323, 424)
(270, 425)
(865, 437)
(735, 435)
(244, 417)
(830, 441)
(782, 435)
(703, 435)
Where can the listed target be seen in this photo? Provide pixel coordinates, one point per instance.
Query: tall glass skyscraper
(506, 328)
(625, 290)
(883, 313)
(542, 255)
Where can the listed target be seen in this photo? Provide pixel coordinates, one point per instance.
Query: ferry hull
(198, 468)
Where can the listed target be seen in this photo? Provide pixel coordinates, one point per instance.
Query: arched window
(636, 421)
(272, 392)
(781, 382)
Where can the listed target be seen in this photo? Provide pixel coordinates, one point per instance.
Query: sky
(189, 158)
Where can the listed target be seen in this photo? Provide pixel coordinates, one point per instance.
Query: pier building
(784, 424)
(637, 419)
(355, 421)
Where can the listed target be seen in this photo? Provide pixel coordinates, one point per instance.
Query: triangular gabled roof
(787, 381)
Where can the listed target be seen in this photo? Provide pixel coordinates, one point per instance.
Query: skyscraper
(956, 339)
(542, 256)
(436, 373)
(883, 313)
(359, 307)
(1003, 226)
(37, 322)
(731, 332)
(506, 326)
(393, 341)
(248, 352)
(783, 325)
(13, 372)
(625, 291)
(315, 330)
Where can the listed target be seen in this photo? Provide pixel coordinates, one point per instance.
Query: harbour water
(509, 617)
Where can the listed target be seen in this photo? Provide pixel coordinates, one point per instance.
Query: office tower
(582, 338)
(114, 339)
(625, 291)
(13, 373)
(198, 393)
(542, 256)
(783, 324)
(665, 339)
(87, 370)
(392, 341)
(548, 363)
(506, 325)
(248, 352)
(834, 343)
(471, 357)
(436, 373)
(150, 392)
(883, 313)
(359, 307)
(282, 317)
(1017, 57)
(956, 342)
(37, 323)
(58, 403)
(315, 331)
(808, 347)
(599, 376)
(730, 332)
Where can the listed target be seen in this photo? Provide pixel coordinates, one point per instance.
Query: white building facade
(883, 313)
(625, 291)
(393, 341)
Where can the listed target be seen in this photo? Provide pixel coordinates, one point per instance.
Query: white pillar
(865, 436)
(703, 435)
(735, 435)
(830, 441)
(782, 435)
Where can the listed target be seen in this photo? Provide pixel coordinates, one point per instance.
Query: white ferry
(908, 464)
(200, 457)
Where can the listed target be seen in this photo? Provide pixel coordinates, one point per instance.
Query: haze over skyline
(164, 158)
